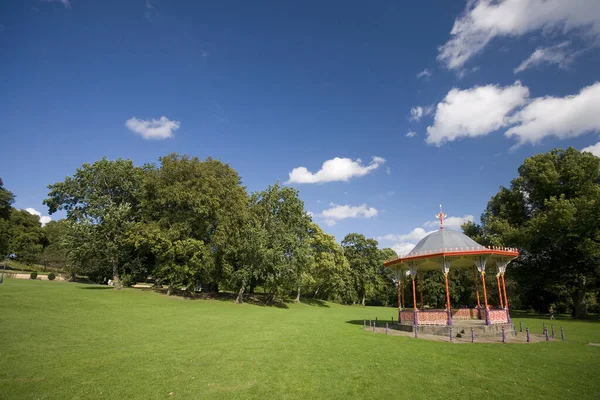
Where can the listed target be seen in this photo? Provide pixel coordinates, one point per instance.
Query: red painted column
(504, 287)
(476, 288)
(487, 313)
(421, 287)
(414, 292)
(499, 291)
(448, 300)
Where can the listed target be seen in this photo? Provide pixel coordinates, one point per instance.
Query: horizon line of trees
(188, 223)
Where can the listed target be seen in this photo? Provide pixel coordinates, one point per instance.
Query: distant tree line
(185, 223)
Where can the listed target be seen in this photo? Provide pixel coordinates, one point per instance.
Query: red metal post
(499, 290)
(504, 287)
(476, 288)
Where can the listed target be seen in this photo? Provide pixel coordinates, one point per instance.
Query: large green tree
(365, 260)
(190, 212)
(6, 200)
(328, 272)
(551, 212)
(26, 238)
(103, 200)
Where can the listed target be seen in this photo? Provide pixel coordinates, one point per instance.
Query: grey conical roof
(445, 239)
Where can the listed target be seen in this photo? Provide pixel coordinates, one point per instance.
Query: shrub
(127, 280)
(51, 276)
(33, 275)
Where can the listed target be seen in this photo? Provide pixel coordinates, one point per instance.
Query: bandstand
(443, 250)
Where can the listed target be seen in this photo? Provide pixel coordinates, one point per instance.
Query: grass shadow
(96, 287)
(314, 302)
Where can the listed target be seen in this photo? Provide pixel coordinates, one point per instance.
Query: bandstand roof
(456, 248)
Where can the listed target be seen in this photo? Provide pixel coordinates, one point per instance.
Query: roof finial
(441, 216)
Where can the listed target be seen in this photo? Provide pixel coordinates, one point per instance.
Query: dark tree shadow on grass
(314, 302)
(97, 287)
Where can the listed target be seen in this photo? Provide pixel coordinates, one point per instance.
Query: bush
(33, 275)
(127, 280)
(51, 276)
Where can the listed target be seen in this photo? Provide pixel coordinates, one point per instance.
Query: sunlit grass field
(63, 340)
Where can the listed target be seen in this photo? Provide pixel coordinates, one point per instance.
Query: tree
(329, 269)
(190, 213)
(364, 258)
(26, 237)
(55, 253)
(6, 200)
(285, 255)
(551, 212)
(104, 198)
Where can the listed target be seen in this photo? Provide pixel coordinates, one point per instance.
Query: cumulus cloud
(484, 20)
(474, 112)
(156, 129)
(411, 134)
(450, 222)
(594, 149)
(65, 3)
(417, 112)
(560, 54)
(424, 74)
(335, 170)
(337, 213)
(404, 243)
(43, 219)
(562, 117)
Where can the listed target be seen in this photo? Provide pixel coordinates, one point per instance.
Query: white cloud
(483, 20)
(404, 243)
(594, 149)
(562, 117)
(411, 134)
(43, 219)
(158, 129)
(474, 112)
(450, 222)
(337, 213)
(424, 74)
(417, 112)
(65, 3)
(559, 54)
(337, 169)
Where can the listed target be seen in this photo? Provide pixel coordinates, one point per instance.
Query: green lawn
(64, 340)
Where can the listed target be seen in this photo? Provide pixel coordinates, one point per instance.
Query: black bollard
(373, 327)
(451, 334)
(503, 336)
(520, 326)
(528, 337)
(392, 320)
(375, 321)
(472, 335)
(416, 332)
(386, 328)
(364, 325)
(562, 334)
(553, 335)
(546, 334)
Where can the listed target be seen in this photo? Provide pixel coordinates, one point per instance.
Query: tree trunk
(240, 296)
(363, 300)
(297, 295)
(116, 281)
(578, 297)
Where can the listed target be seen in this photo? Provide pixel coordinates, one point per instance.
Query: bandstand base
(463, 328)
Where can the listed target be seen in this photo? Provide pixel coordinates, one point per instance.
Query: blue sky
(335, 87)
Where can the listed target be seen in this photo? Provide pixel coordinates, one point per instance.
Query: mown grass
(79, 341)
